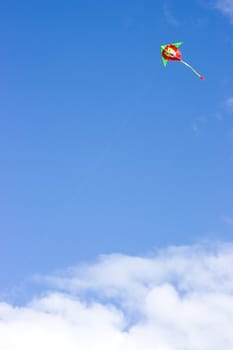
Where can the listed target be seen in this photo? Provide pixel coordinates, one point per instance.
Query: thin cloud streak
(229, 103)
(226, 7)
(169, 16)
(228, 220)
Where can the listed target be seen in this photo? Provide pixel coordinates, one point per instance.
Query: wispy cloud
(169, 16)
(226, 7)
(180, 298)
(172, 19)
(228, 220)
(229, 104)
(198, 124)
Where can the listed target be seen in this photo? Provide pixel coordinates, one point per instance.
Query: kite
(171, 52)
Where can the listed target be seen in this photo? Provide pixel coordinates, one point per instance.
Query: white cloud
(225, 6)
(198, 124)
(228, 220)
(169, 16)
(229, 103)
(180, 298)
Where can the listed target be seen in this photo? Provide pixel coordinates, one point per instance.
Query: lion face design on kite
(171, 53)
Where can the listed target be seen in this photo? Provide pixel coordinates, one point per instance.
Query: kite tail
(194, 71)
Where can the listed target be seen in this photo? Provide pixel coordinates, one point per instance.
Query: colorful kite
(171, 52)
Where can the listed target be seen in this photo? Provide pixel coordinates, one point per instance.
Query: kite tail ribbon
(194, 71)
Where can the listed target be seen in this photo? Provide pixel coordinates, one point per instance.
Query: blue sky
(102, 149)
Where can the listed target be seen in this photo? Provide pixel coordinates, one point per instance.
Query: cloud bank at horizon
(179, 298)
